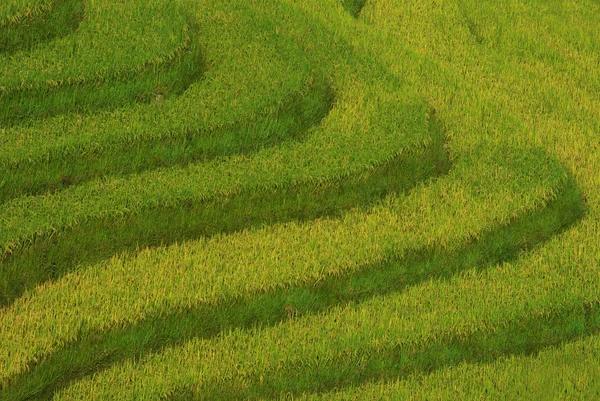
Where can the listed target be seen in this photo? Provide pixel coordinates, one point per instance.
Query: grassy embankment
(313, 246)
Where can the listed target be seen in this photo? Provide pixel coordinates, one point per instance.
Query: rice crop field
(307, 200)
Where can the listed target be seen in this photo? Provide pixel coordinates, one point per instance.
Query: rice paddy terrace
(317, 199)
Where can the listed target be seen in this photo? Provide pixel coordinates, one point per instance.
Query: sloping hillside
(281, 199)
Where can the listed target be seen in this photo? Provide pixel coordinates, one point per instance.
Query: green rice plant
(30, 26)
(336, 159)
(567, 371)
(56, 153)
(94, 351)
(51, 256)
(65, 74)
(71, 163)
(353, 113)
(516, 339)
(326, 165)
(11, 11)
(431, 230)
(354, 6)
(321, 249)
(97, 49)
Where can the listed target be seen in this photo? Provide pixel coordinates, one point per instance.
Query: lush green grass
(331, 200)
(101, 349)
(15, 11)
(71, 74)
(31, 26)
(354, 6)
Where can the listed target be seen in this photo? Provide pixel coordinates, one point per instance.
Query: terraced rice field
(316, 199)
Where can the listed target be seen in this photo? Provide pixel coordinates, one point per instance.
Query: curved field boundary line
(517, 339)
(72, 150)
(376, 241)
(292, 120)
(75, 72)
(333, 151)
(97, 351)
(161, 76)
(23, 31)
(170, 77)
(569, 368)
(93, 240)
(242, 270)
(98, 51)
(342, 155)
(332, 159)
